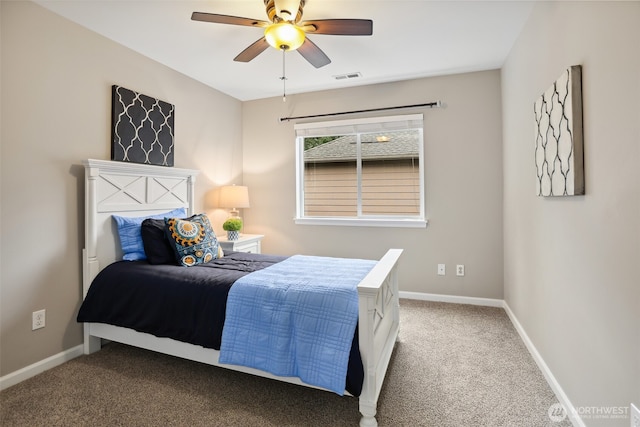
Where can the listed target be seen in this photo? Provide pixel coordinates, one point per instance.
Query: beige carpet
(453, 365)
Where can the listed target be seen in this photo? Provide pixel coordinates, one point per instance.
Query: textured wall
(56, 111)
(570, 262)
(463, 179)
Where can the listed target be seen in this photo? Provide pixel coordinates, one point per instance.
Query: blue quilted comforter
(296, 318)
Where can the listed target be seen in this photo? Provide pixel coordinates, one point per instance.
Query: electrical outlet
(635, 416)
(460, 270)
(38, 319)
(441, 270)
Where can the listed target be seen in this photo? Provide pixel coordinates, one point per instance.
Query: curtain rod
(436, 104)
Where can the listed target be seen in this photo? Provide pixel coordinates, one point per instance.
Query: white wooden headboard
(126, 189)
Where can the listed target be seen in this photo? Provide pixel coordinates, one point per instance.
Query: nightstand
(245, 243)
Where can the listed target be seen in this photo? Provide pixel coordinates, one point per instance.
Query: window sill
(361, 222)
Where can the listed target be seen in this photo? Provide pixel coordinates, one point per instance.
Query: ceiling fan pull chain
(284, 79)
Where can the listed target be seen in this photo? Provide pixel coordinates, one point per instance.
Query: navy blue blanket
(183, 303)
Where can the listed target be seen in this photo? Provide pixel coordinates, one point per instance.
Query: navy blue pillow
(156, 246)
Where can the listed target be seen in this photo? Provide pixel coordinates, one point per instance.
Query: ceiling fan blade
(227, 19)
(339, 27)
(313, 54)
(252, 51)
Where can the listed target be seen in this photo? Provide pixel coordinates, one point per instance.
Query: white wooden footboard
(379, 319)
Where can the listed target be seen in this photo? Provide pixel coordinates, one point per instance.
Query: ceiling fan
(285, 31)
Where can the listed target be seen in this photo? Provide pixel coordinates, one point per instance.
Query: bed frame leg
(368, 422)
(91, 343)
(368, 417)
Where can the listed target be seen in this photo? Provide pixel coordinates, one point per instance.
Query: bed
(127, 189)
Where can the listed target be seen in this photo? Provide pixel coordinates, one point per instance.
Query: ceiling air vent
(347, 76)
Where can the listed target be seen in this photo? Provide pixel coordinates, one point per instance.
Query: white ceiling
(411, 39)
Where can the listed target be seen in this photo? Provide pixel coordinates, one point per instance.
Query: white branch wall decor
(558, 137)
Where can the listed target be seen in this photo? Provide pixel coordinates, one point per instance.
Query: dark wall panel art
(142, 128)
(559, 146)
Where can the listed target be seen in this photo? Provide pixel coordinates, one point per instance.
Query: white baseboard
(39, 367)
(487, 302)
(551, 380)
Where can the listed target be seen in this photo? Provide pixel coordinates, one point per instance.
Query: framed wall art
(142, 128)
(559, 138)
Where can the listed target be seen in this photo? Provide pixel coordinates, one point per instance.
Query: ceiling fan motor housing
(285, 13)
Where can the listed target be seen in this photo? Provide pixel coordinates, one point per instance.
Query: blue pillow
(129, 231)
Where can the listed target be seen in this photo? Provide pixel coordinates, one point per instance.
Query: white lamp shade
(234, 196)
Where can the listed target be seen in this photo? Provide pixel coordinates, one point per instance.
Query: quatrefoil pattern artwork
(558, 137)
(142, 128)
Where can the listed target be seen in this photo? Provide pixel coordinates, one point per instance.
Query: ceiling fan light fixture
(285, 36)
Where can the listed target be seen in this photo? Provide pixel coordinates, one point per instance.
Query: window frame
(391, 123)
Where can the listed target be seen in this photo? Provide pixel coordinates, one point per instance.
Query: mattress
(186, 304)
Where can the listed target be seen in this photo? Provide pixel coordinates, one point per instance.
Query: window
(361, 172)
